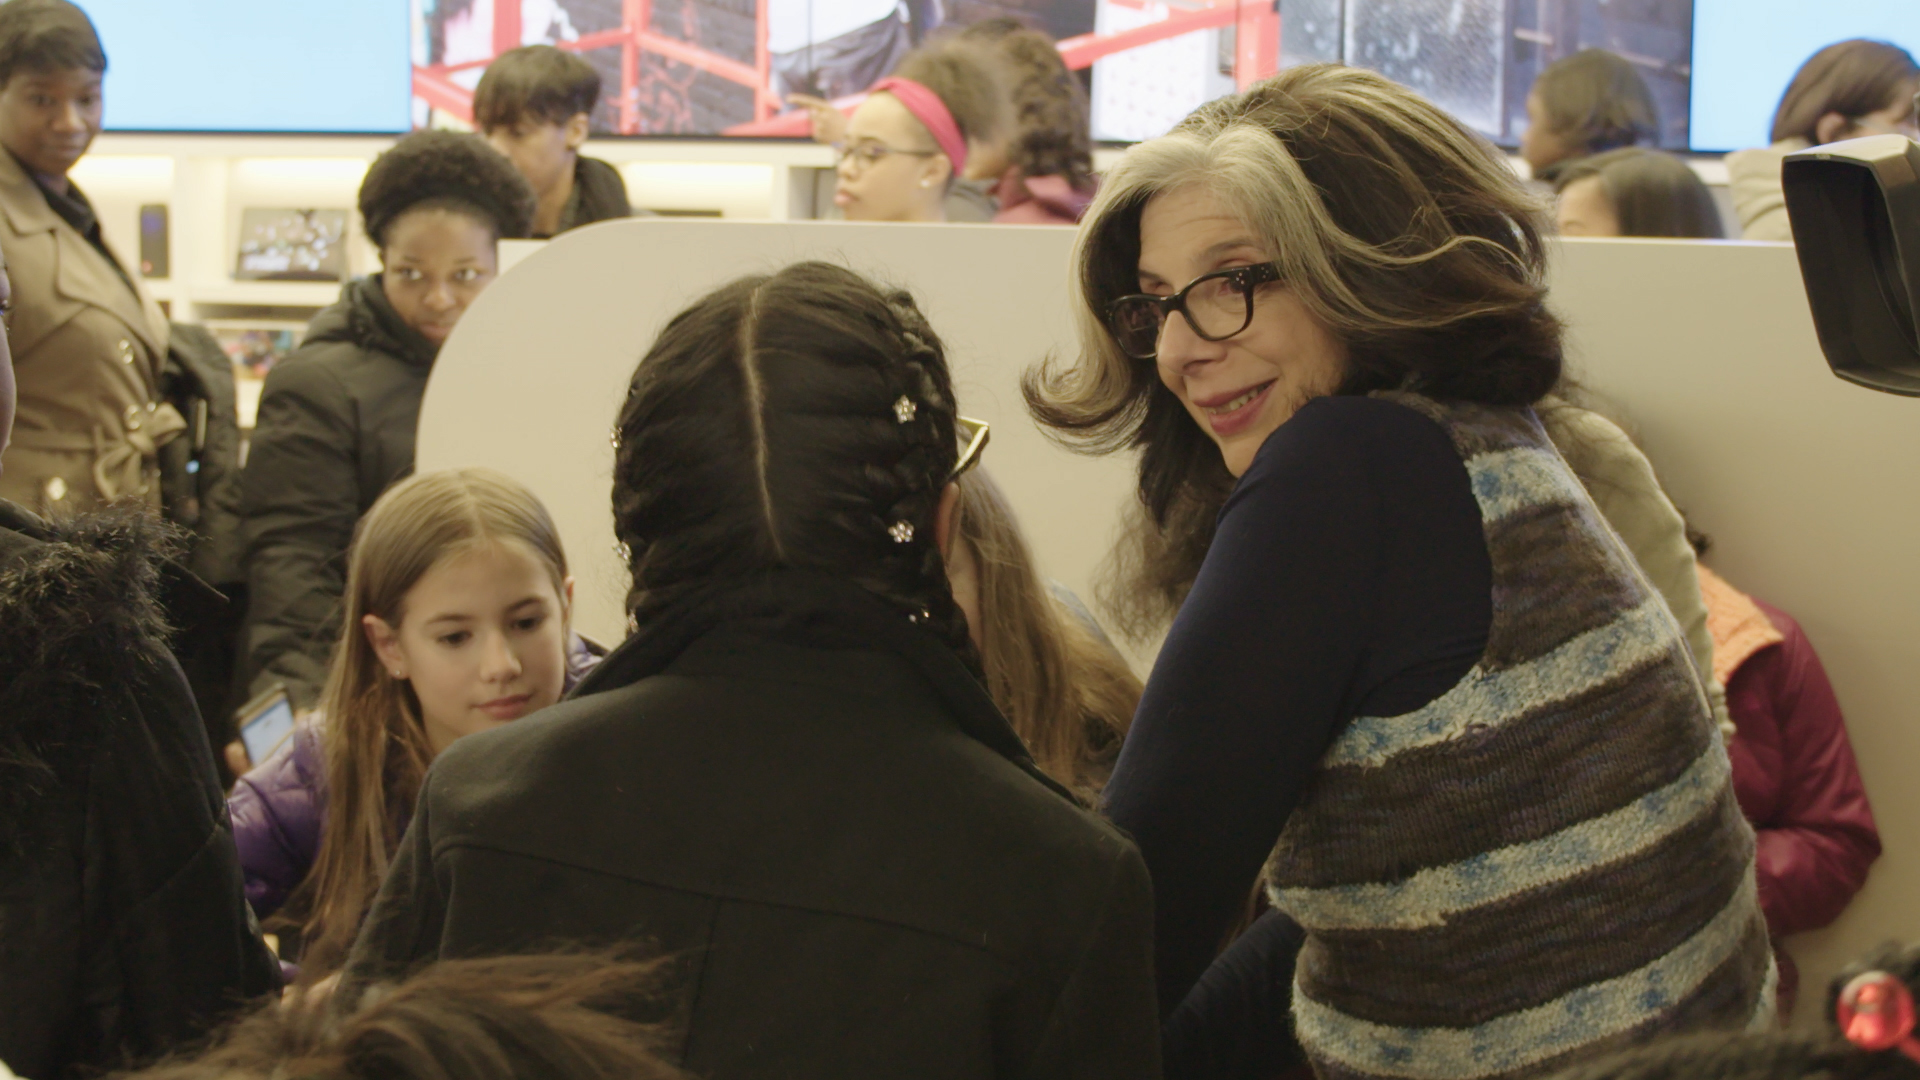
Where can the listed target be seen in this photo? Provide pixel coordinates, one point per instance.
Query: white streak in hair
(756, 411)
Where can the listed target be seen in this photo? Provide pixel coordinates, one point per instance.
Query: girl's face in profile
(1540, 145)
(482, 638)
(889, 168)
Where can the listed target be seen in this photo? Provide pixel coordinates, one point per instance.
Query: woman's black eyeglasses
(1217, 306)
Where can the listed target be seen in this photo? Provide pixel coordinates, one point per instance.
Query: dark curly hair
(47, 35)
(760, 432)
(1403, 232)
(445, 170)
(1051, 135)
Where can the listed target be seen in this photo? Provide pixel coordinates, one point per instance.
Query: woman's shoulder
(1349, 437)
(1762, 162)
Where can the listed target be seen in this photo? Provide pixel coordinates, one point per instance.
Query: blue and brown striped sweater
(1547, 862)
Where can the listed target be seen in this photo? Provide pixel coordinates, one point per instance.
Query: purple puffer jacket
(277, 809)
(279, 805)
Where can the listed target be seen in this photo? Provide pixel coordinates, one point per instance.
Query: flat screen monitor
(1716, 67)
(340, 66)
(1746, 51)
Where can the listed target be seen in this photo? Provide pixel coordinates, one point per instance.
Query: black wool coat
(336, 429)
(123, 927)
(816, 810)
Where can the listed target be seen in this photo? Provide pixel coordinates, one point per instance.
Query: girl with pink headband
(911, 138)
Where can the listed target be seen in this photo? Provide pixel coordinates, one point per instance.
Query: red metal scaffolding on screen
(1256, 55)
(435, 84)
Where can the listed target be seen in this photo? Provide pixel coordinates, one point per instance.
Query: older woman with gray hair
(1414, 684)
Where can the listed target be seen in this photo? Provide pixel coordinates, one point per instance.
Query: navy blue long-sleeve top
(1349, 576)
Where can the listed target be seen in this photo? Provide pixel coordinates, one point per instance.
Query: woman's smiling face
(1242, 389)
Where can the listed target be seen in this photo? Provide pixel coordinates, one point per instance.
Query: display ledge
(141, 144)
(765, 151)
(313, 294)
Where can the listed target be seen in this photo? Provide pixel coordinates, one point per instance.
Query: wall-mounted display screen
(726, 67)
(1478, 58)
(254, 65)
(1745, 52)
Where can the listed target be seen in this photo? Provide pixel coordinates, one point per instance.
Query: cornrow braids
(801, 420)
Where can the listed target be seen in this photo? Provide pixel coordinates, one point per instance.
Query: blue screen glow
(255, 65)
(1745, 52)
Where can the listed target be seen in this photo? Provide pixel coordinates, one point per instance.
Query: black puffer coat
(814, 807)
(123, 929)
(336, 429)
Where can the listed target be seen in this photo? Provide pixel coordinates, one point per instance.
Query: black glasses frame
(1246, 278)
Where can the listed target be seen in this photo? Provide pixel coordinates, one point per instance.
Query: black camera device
(1855, 209)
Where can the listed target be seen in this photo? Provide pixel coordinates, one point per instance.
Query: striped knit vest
(1546, 862)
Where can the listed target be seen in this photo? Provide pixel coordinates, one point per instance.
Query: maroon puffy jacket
(1793, 768)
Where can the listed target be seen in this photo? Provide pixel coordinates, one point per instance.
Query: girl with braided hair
(790, 777)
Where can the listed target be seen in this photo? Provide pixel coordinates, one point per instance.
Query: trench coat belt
(140, 446)
(144, 430)
(118, 452)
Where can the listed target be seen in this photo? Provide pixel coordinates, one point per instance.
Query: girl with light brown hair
(1066, 690)
(455, 621)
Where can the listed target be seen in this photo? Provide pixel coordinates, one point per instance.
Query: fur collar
(79, 602)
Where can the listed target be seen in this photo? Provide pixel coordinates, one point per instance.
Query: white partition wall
(1810, 486)
(535, 373)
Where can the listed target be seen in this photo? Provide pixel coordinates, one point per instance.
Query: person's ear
(1831, 127)
(566, 595)
(977, 152)
(578, 127)
(934, 172)
(386, 645)
(946, 519)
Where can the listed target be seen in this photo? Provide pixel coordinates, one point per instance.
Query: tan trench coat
(87, 353)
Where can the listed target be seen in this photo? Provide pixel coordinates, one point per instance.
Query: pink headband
(926, 107)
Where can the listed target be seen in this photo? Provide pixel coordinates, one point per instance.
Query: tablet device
(265, 722)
